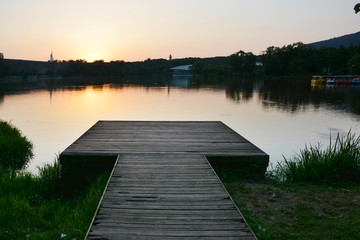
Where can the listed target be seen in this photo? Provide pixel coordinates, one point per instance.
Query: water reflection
(290, 95)
(180, 81)
(279, 116)
(241, 90)
(295, 95)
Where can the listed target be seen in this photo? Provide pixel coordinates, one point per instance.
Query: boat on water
(356, 80)
(318, 80)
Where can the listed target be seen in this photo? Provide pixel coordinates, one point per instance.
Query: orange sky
(139, 29)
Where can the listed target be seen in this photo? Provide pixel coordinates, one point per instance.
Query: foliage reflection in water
(279, 116)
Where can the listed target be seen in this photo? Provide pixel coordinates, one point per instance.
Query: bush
(339, 162)
(15, 149)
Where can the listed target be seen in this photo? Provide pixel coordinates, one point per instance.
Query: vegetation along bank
(315, 194)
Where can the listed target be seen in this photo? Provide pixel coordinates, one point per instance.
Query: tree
(357, 8)
(354, 63)
(242, 62)
(198, 67)
(1, 56)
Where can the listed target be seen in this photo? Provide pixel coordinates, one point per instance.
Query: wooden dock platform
(162, 185)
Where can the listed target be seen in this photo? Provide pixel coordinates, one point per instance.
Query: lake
(278, 116)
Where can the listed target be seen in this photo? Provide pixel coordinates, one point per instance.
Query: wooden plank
(164, 145)
(160, 234)
(163, 125)
(160, 201)
(207, 138)
(209, 152)
(160, 135)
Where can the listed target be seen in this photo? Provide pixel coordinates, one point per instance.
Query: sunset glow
(93, 57)
(139, 29)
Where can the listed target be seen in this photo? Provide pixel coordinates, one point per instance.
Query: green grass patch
(337, 163)
(314, 195)
(43, 206)
(34, 207)
(283, 210)
(15, 149)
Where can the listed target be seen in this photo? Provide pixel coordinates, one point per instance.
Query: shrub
(15, 149)
(339, 162)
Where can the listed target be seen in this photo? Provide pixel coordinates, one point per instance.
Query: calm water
(277, 116)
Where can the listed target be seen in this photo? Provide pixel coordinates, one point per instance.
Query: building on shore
(181, 71)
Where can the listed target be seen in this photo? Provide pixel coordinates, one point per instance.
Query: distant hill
(346, 41)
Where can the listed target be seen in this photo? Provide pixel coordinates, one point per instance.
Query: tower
(51, 57)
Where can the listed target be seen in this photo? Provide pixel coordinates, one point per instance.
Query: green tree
(300, 59)
(357, 8)
(198, 67)
(354, 63)
(242, 62)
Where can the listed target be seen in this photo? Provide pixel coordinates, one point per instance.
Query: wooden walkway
(162, 185)
(111, 138)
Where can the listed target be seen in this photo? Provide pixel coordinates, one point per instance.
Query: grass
(42, 206)
(337, 163)
(15, 149)
(33, 207)
(281, 210)
(314, 195)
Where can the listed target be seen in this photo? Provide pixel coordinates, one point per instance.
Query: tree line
(293, 59)
(300, 59)
(82, 68)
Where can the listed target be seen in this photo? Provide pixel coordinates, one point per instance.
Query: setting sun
(93, 57)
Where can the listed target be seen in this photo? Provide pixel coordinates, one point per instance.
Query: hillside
(346, 41)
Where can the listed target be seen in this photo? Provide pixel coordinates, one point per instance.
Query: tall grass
(33, 207)
(339, 162)
(15, 149)
(42, 206)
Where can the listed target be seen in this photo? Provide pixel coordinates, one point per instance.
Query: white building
(51, 57)
(181, 71)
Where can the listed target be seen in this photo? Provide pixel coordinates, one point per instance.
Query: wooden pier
(162, 185)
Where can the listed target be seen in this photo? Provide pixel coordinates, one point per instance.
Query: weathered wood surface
(205, 138)
(162, 186)
(166, 196)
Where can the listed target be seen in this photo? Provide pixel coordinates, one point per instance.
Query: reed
(337, 163)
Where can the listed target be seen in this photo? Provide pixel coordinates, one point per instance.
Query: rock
(273, 197)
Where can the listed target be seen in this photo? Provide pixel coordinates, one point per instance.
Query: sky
(135, 30)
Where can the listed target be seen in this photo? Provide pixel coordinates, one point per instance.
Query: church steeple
(51, 57)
